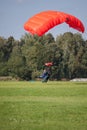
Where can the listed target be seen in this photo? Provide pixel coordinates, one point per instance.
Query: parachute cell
(42, 22)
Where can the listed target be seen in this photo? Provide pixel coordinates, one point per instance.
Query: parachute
(40, 23)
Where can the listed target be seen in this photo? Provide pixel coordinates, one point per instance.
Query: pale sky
(14, 13)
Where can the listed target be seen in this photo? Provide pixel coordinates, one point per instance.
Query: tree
(72, 47)
(25, 58)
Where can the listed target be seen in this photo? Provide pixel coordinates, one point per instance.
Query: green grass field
(43, 106)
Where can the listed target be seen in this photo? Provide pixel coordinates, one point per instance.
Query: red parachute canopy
(42, 22)
(49, 64)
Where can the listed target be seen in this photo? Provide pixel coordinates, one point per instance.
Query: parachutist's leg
(45, 79)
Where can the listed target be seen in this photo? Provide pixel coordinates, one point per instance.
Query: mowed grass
(43, 106)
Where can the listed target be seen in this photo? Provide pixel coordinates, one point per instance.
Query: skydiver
(46, 74)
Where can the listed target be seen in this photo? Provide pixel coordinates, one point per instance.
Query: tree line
(24, 58)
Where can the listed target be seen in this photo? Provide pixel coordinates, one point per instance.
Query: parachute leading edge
(40, 23)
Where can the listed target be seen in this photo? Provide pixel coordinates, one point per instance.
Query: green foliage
(25, 58)
(72, 47)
